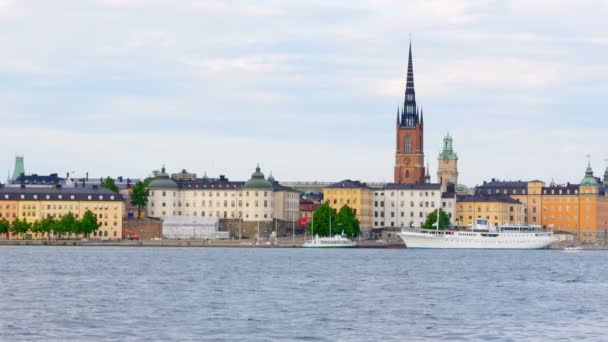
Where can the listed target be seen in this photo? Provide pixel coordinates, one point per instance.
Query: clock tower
(409, 156)
(447, 172)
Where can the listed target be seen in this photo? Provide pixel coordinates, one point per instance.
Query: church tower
(447, 172)
(409, 156)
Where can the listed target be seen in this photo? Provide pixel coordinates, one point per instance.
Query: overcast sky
(309, 89)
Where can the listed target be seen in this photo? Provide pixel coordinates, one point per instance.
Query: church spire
(410, 116)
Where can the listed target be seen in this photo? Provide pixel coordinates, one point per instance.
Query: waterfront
(131, 294)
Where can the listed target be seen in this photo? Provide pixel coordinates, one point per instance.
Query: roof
(277, 187)
(38, 179)
(162, 181)
(209, 183)
(426, 186)
(348, 184)
(448, 195)
(59, 194)
(486, 198)
(257, 181)
(504, 184)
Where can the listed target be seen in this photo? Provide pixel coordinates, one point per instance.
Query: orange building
(581, 209)
(9, 211)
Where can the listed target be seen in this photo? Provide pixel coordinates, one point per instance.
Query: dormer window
(48, 197)
(72, 197)
(60, 197)
(35, 196)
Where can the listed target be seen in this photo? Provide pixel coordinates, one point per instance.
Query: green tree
(20, 227)
(110, 184)
(68, 224)
(431, 220)
(347, 222)
(36, 227)
(139, 196)
(5, 227)
(46, 226)
(89, 223)
(321, 219)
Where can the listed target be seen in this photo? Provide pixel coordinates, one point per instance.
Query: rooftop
(348, 184)
(58, 194)
(486, 198)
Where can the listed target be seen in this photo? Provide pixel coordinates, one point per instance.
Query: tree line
(327, 222)
(68, 224)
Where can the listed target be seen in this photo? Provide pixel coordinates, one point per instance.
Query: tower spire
(410, 116)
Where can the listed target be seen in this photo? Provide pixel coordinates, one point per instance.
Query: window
(408, 145)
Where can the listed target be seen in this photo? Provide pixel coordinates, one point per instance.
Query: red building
(409, 156)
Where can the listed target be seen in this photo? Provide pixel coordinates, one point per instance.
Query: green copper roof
(19, 168)
(589, 179)
(258, 181)
(162, 181)
(448, 149)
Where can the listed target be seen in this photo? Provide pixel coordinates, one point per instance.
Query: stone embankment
(183, 243)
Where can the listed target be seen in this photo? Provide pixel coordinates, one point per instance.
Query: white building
(405, 205)
(192, 228)
(254, 200)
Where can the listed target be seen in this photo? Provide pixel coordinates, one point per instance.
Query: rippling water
(134, 294)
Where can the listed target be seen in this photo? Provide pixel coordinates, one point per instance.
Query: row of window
(218, 204)
(403, 193)
(210, 194)
(412, 205)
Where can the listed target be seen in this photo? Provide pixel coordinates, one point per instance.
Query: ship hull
(476, 241)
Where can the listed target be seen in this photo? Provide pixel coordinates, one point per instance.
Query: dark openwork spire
(410, 117)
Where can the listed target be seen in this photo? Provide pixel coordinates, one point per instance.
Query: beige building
(258, 199)
(34, 204)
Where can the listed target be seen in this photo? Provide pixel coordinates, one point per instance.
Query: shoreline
(181, 243)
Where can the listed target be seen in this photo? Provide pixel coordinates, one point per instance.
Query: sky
(307, 89)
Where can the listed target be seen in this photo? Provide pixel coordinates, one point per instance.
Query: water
(135, 294)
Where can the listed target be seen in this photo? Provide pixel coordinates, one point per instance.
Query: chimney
(87, 176)
(120, 179)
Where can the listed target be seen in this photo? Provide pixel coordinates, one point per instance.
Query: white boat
(572, 248)
(482, 236)
(336, 241)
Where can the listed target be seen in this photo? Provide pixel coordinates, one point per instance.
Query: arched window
(408, 144)
(407, 174)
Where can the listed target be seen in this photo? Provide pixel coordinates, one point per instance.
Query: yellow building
(34, 204)
(356, 195)
(498, 209)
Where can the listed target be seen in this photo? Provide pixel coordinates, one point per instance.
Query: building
(498, 209)
(35, 203)
(247, 209)
(447, 171)
(580, 209)
(448, 204)
(405, 205)
(192, 228)
(307, 209)
(356, 195)
(286, 200)
(409, 155)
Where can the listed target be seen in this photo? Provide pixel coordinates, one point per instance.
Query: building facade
(358, 196)
(580, 209)
(447, 170)
(409, 155)
(35, 204)
(258, 200)
(405, 205)
(498, 209)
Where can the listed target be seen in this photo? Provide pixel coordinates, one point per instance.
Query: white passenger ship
(482, 236)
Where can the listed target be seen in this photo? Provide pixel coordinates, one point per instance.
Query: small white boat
(572, 248)
(337, 241)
